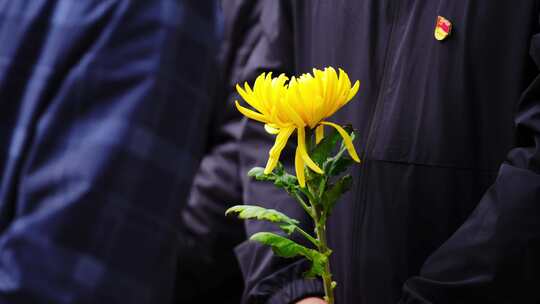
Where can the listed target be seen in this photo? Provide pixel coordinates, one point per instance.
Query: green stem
(320, 230)
(322, 187)
(319, 216)
(308, 236)
(327, 275)
(303, 204)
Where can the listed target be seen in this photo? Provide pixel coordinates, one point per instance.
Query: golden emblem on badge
(443, 28)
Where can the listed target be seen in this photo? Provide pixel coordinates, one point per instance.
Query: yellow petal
(259, 82)
(354, 90)
(274, 114)
(299, 166)
(295, 99)
(257, 102)
(258, 90)
(280, 80)
(317, 112)
(267, 90)
(303, 151)
(346, 80)
(279, 145)
(345, 85)
(346, 139)
(251, 114)
(270, 165)
(319, 133)
(332, 93)
(286, 108)
(341, 84)
(247, 97)
(271, 130)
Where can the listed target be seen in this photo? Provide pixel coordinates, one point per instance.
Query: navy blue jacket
(104, 114)
(446, 204)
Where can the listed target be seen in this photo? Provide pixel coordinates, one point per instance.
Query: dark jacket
(208, 269)
(446, 203)
(103, 118)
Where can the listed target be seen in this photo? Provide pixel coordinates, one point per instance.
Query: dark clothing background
(446, 204)
(213, 275)
(104, 117)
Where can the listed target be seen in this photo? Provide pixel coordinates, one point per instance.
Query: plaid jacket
(103, 114)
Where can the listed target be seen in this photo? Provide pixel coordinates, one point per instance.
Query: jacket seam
(437, 165)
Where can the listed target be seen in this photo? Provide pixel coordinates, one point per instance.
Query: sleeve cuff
(410, 296)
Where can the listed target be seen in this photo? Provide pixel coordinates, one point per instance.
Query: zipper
(360, 196)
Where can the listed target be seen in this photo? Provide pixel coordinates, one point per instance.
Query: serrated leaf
(256, 171)
(258, 174)
(286, 181)
(246, 212)
(334, 192)
(279, 177)
(286, 248)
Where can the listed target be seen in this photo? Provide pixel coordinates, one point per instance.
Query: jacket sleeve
(208, 266)
(114, 100)
(495, 256)
(218, 184)
(269, 279)
(207, 262)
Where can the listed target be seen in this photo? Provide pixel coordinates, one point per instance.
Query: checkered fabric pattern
(103, 118)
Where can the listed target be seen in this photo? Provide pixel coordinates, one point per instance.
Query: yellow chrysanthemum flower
(305, 101)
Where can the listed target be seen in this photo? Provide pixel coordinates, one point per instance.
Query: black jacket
(446, 204)
(208, 269)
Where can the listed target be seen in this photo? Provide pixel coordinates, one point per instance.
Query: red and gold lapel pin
(443, 28)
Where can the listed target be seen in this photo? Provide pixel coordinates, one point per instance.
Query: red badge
(443, 28)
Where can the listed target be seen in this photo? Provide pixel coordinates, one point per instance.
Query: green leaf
(286, 248)
(279, 169)
(258, 174)
(286, 181)
(322, 153)
(339, 165)
(334, 192)
(318, 262)
(246, 212)
(313, 181)
(279, 177)
(324, 149)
